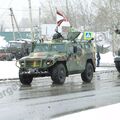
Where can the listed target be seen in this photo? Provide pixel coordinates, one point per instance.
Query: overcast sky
(20, 8)
(18, 4)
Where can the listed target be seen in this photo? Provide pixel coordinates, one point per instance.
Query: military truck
(5, 55)
(59, 59)
(19, 48)
(16, 49)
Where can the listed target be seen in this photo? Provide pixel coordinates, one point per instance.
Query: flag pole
(31, 24)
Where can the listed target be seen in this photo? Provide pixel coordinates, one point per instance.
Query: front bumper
(34, 72)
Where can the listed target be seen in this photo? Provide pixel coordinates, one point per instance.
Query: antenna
(30, 14)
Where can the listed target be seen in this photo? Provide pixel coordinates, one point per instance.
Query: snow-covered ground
(8, 69)
(107, 58)
(110, 112)
(3, 42)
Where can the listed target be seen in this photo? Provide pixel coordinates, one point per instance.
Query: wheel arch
(62, 62)
(91, 61)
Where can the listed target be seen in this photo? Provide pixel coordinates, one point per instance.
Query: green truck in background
(59, 59)
(16, 49)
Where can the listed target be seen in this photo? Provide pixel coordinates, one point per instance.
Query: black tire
(87, 75)
(117, 65)
(58, 74)
(25, 79)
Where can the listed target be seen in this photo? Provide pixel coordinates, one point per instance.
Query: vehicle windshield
(49, 47)
(17, 45)
(58, 47)
(42, 48)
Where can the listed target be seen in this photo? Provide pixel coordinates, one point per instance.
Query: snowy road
(44, 100)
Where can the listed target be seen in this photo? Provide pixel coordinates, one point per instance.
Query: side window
(74, 48)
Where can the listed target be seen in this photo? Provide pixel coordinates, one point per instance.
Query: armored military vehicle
(117, 58)
(59, 59)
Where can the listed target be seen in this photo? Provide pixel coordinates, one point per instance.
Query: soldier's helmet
(57, 36)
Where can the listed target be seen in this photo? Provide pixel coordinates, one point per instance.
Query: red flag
(60, 18)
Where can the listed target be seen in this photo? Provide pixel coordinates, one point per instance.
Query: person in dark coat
(98, 59)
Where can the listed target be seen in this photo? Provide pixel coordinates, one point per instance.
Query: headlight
(22, 63)
(49, 62)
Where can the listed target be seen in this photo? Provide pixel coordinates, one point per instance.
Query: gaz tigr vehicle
(117, 63)
(117, 57)
(59, 59)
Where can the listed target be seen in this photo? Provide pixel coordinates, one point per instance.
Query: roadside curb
(107, 65)
(102, 70)
(106, 71)
(9, 79)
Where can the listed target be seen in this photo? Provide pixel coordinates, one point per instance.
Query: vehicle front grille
(33, 64)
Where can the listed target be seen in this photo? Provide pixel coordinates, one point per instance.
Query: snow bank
(107, 58)
(3, 42)
(110, 112)
(8, 69)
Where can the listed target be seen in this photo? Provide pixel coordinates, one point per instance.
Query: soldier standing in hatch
(98, 59)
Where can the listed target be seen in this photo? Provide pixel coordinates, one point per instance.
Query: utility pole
(13, 18)
(39, 23)
(13, 27)
(31, 23)
(67, 9)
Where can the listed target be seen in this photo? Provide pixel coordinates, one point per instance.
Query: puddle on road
(28, 92)
(73, 84)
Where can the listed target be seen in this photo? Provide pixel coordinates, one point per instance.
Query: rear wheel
(87, 75)
(58, 74)
(25, 79)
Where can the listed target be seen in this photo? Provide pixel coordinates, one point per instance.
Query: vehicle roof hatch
(72, 35)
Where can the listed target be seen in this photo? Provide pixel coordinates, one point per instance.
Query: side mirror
(92, 38)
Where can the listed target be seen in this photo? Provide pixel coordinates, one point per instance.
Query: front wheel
(25, 79)
(58, 74)
(87, 75)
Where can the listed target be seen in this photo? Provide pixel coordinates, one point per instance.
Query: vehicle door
(76, 58)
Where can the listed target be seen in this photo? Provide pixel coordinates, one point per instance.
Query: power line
(19, 10)
(4, 8)
(2, 15)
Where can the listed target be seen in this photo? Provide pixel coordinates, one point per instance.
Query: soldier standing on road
(98, 59)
